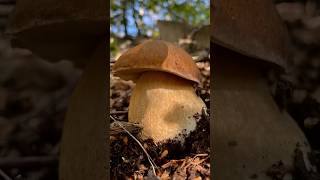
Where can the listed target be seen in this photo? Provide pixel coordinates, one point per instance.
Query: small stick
(200, 155)
(118, 112)
(196, 164)
(32, 161)
(131, 127)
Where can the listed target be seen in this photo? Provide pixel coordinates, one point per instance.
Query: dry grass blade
(118, 112)
(131, 127)
(153, 164)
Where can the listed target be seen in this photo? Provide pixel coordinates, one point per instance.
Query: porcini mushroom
(73, 30)
(164, 100)
(250, 133)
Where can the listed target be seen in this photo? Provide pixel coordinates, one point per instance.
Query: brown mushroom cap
(156, 55)
(250, 27)
(55, 30)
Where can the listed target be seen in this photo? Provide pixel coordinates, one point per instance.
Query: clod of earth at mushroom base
(164, 100)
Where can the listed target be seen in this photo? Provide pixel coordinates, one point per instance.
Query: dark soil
(128, 158)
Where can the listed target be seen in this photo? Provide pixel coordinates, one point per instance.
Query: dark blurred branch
(7, 2)
(124, 18)
(118, 112)
(135, 17)
(5, 10)
(28, 162)
(6, 6)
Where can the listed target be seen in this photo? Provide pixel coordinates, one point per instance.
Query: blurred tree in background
(132, 18)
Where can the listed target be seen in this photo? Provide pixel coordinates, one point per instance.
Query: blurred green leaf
(193, 12)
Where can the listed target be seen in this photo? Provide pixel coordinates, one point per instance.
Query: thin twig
(153, 164)
(131, 127)
(195, 164)
(4, 175)
(200, 155)
(118, 112)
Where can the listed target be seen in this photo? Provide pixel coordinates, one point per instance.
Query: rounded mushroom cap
(252, 28)
(156, 55)
(55, 30)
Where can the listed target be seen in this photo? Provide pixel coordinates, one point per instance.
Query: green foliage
(193, 12)
(140, 16)
(113, 46)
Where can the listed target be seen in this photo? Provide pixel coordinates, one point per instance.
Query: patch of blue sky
(149, 19)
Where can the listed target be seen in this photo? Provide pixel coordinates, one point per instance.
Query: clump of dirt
(277, 171)
(199, 141)
(128, 160)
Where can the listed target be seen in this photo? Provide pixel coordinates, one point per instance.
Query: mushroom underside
(73, 40)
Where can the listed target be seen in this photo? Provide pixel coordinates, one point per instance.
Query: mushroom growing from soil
(250, 132)
(163, 100)
(74, 30)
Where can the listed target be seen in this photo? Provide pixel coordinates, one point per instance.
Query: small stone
(310, 122)
(290, 11)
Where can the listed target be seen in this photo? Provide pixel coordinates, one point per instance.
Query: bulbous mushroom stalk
(164, 105)
(163, 101)
(250, 133)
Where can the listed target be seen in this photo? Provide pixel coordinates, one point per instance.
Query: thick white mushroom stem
(164, 104)
(250, 133)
